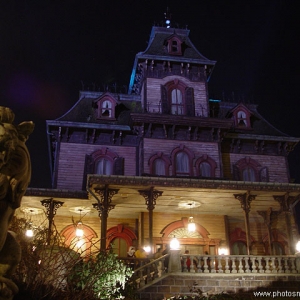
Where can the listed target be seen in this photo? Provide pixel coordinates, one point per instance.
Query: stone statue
(15, 173)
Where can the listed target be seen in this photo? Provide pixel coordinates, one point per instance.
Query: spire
(168, 18)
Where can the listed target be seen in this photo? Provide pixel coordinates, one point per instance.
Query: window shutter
(165, 107)
(119, 166)
(89, 168)
(236, 172)
(190, 103)
(264, 174)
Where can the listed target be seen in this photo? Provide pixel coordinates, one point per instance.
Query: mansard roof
(157, 47)
(260, 127)
(83, 110)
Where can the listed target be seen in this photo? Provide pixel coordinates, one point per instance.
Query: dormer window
(106, 110)
(174, 45)
(241, 119)
(241, 116)
(106, 107)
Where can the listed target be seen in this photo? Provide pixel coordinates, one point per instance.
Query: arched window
(205, 169)
(103, 162)
(248, 169)
(182, 164)
(106, 105)
(248, 174)
(182, 159)
(242, 119)
(205, 166)
(104, 166)
(176, 102)
(174, 45)
(177, 98)
(106, 108)
(159, 167)
(238, 248)
(159, 164)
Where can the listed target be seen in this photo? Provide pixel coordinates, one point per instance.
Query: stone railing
(145, 270)
(227, 264)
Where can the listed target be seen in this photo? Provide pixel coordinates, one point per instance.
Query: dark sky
(48, 47)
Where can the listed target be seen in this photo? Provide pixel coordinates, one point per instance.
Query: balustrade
(240, 264)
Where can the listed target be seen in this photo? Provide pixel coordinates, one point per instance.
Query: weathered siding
(277, 166)
(152, 146)
(72, 159)
(154, 94)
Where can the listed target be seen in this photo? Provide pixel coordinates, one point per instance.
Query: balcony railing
(240, 264)
(147, 270)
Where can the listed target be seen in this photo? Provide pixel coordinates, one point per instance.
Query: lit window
(106, 109)
(242, 119)
(176, 102)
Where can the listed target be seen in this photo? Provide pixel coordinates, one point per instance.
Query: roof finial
(168, 18)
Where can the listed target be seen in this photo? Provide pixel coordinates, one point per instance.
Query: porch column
(150, 196)
(104, 206)
(286, 201)
(268, 216)
(51, 206)
(245, 200)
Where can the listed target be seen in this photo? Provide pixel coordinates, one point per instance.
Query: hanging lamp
(191, 223)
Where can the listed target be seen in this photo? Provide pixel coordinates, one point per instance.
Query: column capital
(245, 200)
(150, 196)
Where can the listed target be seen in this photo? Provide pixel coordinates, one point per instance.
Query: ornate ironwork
(245, 200)
(150, 196)
(51, 206)
(103, 204)
(286, 201)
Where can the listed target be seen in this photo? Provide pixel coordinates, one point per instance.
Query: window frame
(206, 159)
(190, 154)
(100, 102)
(165, 158)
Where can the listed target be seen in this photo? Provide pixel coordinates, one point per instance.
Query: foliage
(105, 275)
(53, 271)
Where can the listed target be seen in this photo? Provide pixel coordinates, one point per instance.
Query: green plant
(105, 275)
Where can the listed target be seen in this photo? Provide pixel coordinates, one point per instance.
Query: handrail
(145, 270)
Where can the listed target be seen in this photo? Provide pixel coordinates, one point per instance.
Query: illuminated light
(79, 244)
(79, 230)
(223, 251)
(174, 244)
(298, 246)
(191, 225)
(168, 22)
(147, 249)
(29, 233)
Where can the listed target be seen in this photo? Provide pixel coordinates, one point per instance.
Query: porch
(239, 274)
(148, 270)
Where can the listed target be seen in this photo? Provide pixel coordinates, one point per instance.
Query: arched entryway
(197, 242)
(79, 243)
(120, 238)
(238, 242)
(279, 243)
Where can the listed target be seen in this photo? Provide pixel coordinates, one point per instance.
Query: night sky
(47, 48)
